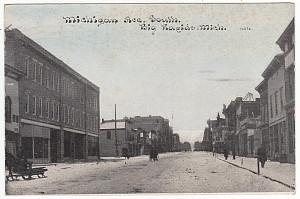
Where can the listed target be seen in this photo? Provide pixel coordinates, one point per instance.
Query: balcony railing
(289, 58)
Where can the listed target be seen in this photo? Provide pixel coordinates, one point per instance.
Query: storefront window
(40, 147)
(92, 146)
(26, 149)
(67, 145)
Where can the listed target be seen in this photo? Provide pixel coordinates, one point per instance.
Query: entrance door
(53, 145)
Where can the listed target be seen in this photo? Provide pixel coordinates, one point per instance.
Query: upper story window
(26, 103)
(41, 107)
(34, 105)
(281, 98)
(47, 78)
(57, 111)
(34, 70)
(271, 106)
(57, 83)
(7, 109)
(27, 64)
(276, 103)
(41, 73)
(53, 81)
(47, 108)
(53, 110)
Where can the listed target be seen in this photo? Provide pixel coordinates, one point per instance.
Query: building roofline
(257, 88)
(277, 59)
(289, 28)
(17, 33)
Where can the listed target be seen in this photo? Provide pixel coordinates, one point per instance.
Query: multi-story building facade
(274, 74)
(246, 109)
(59, 108)
(263, 127)
(207, 139)
(12, 133)
(159, 128)
(287, 44)
(176, 142)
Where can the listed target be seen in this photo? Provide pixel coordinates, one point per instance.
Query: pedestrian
(262, 156)
(155, 155)
(225, 153)
(233, 153)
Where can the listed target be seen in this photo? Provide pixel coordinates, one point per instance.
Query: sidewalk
(282, 172)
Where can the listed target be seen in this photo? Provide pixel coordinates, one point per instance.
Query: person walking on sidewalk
(262, 156)
(225, 153)
(233, 153)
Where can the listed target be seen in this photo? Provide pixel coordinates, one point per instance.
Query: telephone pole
(116, 140)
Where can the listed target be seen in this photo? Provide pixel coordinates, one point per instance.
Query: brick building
(59, 108)
(159, 128)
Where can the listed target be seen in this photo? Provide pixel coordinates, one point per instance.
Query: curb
(267, 177)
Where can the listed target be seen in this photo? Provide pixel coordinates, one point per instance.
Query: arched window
(7, 109)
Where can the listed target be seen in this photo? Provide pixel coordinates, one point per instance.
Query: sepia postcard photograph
(149, 98)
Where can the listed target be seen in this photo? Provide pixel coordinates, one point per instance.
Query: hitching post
(258, 169)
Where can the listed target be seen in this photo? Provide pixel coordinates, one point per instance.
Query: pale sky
(188, 74)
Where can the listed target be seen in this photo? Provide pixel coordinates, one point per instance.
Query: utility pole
(116, 140)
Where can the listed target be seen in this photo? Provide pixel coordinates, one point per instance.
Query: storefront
(35, 143)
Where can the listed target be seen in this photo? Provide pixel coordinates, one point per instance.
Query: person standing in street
(262, 156)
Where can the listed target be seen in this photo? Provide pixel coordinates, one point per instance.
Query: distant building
(114, 140)
(58, 107)
(159, 128)
(247, 113)
(176, 142)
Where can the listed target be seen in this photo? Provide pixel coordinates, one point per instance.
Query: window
(40, 147)
(27, 64)
(57, 84)
(47, 108)
(41, 73)
(281, 99)
(83, 120)
(63, 87)
(276, 105)
(80, 123)
(92, 146)
(34, 105)
(57, 111)
(88, 121)
(26, 103)
(271, 106)
(68, 114)
(34, 70)
(27, 146)
(41, 107)
(53, 110)
(47, 78)
(7, 109)
(64, 113)
(53, 81)
(108, 135)
(266, 113)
